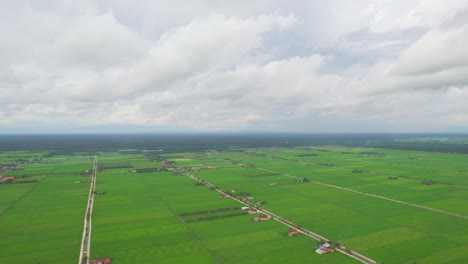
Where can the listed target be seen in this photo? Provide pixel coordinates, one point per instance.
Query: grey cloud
(97, 41)
(438, 50)
(309, 66)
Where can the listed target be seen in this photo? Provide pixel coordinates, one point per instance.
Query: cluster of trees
(370, 153)
(260, 202)
(307, 155)
(261, 174)
(145, 170)
(25, 181)
(429, 182)
(211, 211)
(103, 166)
(215, 217)
(86, 172)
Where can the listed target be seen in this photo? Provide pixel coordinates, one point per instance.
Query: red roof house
(262, 218)
(7, 179)
(251, 211)
(293, 232)
(101, 261)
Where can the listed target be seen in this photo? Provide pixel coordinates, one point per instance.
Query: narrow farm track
(371, 195)
(404, 165)
(288, 223)
(383, 174)
(87, 224)
(418, 167)
(173, 212)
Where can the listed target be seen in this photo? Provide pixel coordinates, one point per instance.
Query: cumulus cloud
(308, 66)
(95, 42)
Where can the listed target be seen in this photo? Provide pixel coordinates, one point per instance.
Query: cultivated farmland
(392, 206)
(41, 220)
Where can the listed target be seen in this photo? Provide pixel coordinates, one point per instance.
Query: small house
(262, 218)
(101, 261)
(251, 211)
(323, 249)
(7, 179)
(293, 232)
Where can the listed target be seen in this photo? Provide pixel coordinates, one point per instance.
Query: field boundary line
(341, 249)
(417, 167)
(208, 250)
(372, 195)
(381, 174)
(26, 193)
(22, 196)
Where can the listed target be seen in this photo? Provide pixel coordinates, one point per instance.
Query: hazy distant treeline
(68, 144)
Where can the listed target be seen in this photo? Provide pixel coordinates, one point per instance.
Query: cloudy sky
(246, 65)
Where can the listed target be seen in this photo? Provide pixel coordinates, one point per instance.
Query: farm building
(252, 211)
(293, 232)
(247, 198)
(262, 218)
(245, 208)
(323, 249)
(7, 179)
(101, 261)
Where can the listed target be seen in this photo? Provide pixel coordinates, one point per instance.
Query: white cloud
(97, 41)
(303, 66)
(438, 50)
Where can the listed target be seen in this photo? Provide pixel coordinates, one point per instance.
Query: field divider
(182, 221)
(87, 224)
(25, 194)
(372, 195)
(341, 249)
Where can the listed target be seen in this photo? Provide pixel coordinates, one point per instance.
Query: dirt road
(87, 224)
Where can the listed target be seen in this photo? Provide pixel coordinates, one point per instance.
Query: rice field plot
(231, 235)
(349, 217)
(10, 193)
(159, 217)
(132, 224)
(375, 182)
(44, 223)
(8, 157)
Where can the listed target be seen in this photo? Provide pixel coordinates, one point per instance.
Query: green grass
(42, 221)
(143, 217)
(355, 219)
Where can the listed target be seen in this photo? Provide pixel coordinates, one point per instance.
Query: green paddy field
(393, 206)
